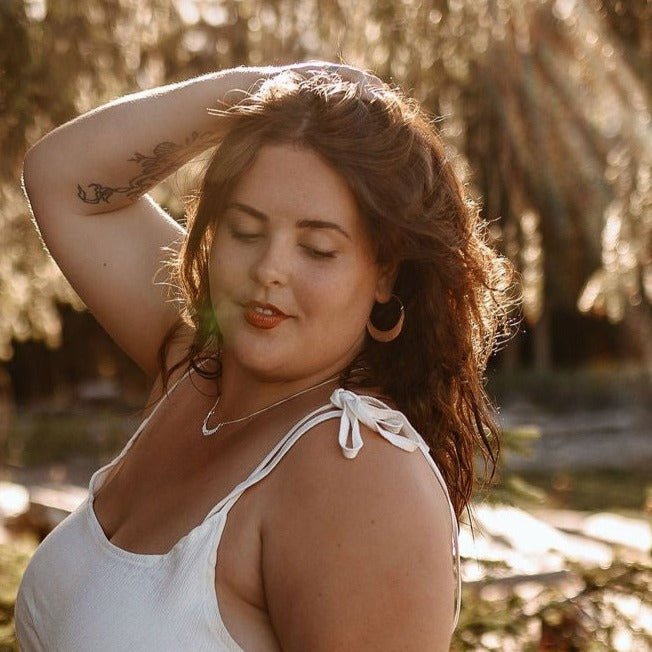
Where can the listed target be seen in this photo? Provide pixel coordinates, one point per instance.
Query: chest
(170, 480)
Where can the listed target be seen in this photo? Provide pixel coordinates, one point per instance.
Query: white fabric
(375, 415)
(80, 592)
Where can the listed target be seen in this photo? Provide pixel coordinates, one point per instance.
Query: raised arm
(86, 182)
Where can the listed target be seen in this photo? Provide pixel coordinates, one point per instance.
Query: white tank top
(80, 592)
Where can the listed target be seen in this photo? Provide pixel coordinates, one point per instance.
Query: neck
(242, 392)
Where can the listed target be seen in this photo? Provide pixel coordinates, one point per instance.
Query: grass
(14, 558)
(566, 390)
(596, 490)
(42, 438)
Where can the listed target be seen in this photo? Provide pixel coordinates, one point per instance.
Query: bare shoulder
(379, 468)
(357, 552)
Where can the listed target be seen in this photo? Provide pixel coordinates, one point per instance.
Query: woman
(337, 306)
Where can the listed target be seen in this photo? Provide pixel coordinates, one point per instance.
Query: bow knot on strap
(376, 415)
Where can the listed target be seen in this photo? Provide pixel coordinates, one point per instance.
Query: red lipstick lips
(261, 319)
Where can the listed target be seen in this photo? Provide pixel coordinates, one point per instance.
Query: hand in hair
(366, 79)
(369, 83)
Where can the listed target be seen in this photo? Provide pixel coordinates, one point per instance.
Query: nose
(271, 267)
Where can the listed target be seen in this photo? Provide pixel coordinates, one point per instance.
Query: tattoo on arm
(167, 158)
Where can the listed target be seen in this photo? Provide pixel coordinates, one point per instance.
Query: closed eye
(250, 237)
(246, 237)
(320, 254)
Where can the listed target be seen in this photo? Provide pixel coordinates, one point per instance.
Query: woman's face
(291, 235)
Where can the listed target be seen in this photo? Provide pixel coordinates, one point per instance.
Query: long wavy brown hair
(455, 288)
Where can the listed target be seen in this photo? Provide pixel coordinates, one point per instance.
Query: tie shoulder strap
(391, 424)
(394, 426)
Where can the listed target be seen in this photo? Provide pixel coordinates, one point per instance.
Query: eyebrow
(309, 224)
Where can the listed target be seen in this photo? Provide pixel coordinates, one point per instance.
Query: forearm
(109, 157)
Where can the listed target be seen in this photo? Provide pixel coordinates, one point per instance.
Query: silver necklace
(206, 431)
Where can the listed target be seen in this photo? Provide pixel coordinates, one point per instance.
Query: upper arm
(114, 261)
(357, 555)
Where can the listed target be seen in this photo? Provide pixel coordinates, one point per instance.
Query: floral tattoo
(166, 158)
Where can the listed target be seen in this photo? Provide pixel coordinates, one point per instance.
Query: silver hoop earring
(392, 333)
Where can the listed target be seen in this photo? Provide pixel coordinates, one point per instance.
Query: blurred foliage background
(545, 106)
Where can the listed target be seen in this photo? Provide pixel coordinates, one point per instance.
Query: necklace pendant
(207, 432)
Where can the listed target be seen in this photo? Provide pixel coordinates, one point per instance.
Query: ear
(386, 280)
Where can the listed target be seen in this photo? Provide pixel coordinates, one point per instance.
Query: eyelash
(248, 237)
